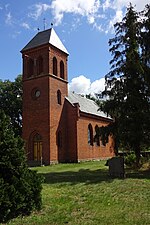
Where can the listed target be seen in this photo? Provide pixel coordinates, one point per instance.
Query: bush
(130, 159)
(20, 188)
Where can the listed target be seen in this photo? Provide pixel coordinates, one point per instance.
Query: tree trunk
(138, 155)
(116, 146)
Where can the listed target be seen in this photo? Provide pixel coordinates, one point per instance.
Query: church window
(59, 97)
(96, 137)
(40, 64)
(59, 139)
(55, 66)
(90, 134)
(62, 69)
(37, 146)
(30, 67)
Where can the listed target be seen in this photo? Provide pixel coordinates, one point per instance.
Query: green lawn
(84, 194)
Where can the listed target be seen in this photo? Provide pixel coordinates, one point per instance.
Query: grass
(84, 194)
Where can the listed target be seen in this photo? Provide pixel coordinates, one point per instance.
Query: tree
(20, 188)
(126, 84)
(145, 46)
(11, 102)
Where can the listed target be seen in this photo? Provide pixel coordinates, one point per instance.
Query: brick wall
(35, 115)
(77, 145)
(87, 151)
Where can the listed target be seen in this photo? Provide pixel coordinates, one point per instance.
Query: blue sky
(84, 27)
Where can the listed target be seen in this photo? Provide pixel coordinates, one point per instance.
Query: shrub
(20, 188)
(130, 159)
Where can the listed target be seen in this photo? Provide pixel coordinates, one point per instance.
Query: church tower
(45, 86)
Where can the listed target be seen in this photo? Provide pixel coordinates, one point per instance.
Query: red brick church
(57, 126)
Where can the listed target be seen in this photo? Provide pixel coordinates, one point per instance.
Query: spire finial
(44, 23)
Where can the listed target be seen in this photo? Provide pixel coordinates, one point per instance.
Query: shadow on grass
(137, 174)
(87, 176)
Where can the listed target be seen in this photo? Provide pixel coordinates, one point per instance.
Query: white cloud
(38, 9)
(117, 18)
(8, 19)
(97, 86)
(120, 4)
(80, 85)
(89, 9)
(106, 5)
(83, 85)
(118, 9)
(100, 14)
(85, 8)
(25, 25)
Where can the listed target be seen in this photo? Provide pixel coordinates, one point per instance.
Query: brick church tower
(45, 86)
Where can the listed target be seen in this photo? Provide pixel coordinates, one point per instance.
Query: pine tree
(20, 188)
(145, 58)
(125, 85)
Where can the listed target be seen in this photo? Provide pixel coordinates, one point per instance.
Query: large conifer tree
(126, 85)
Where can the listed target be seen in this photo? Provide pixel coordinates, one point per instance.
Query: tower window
(59, 97)
(55, 66)
(59, 139)
(62, 69)
(30, 67)
(90, 134)
(40, 64)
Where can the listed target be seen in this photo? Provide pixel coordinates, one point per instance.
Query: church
(58, 126)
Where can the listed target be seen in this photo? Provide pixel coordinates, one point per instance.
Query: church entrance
(37, 145)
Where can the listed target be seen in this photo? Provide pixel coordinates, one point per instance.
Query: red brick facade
(61, 127)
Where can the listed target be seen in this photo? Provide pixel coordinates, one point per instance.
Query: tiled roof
(46, 37)
(86, 105)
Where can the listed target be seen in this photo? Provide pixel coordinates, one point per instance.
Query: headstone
(116, 167)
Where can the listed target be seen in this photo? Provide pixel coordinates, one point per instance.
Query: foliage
(127, 84)
(97, 98)
(130, 159)
(20, 188)
(11, 102)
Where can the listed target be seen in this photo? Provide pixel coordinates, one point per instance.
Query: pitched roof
(46, 37)
(86, 105)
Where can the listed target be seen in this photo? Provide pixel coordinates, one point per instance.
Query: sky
(84, 27)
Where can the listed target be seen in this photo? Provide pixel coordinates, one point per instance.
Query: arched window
(30, 67)
(59, 97)
(62, 69)
(37, 146)
(55, 66)
(40, 64)
(90, 134)
(59, 139)
(96, 137)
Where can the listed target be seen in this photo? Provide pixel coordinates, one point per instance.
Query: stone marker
(116, 167)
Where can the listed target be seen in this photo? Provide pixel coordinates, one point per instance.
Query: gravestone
(116, 167)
